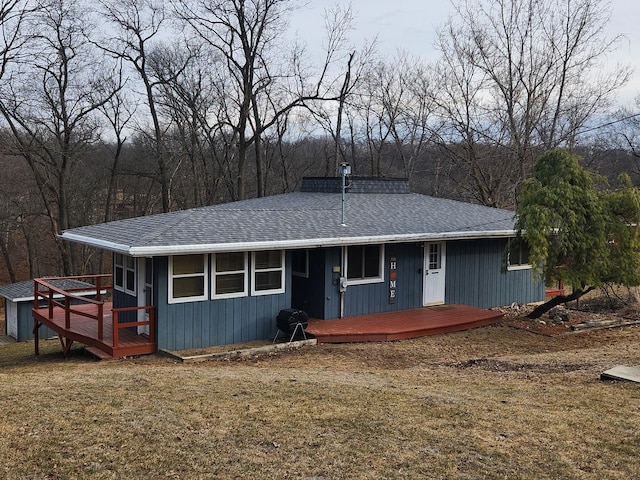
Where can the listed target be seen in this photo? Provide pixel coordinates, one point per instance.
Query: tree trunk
(545, 307)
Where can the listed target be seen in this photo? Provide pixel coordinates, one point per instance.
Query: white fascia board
(165, 250)
(311, 243)
(96, 242)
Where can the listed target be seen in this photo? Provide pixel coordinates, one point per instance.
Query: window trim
(205, 274)
(367, 280)
(215, 274)
(515, 266)
(255, 271)
(305, 273)
(120, 261)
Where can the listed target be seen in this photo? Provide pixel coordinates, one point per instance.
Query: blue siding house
(220, 274)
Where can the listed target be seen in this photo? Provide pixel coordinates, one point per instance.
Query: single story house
(220, 274)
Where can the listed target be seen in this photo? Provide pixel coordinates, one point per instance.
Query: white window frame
(121, 261)
(215, 275)
(305, 273)
(255, 271)
(517, 266)
(364, 281)
(205, 274)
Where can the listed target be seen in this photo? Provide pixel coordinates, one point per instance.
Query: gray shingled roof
(301, 219)
(24, 290)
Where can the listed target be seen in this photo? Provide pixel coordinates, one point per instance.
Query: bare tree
(51, 106)
(139, 25)
(528, 73)
(258, 87)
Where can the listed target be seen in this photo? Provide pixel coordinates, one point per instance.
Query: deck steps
(99, 354)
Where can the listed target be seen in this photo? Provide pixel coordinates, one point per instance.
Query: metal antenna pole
(344, 185)
(344, 170)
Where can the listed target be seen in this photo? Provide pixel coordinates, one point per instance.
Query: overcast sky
(411, 25)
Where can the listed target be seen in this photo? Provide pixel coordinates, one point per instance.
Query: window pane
(268, 280)
(268, 259)
(117, 259)
(119, 276)
(186, 264)
(188, 287)
(131, 280)
(148, 271)
(371, 261)
(230, 283)
(229, 262)
(131, 262)
(434, 256)
(354, 262)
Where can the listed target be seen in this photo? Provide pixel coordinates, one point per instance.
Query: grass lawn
(494, 402)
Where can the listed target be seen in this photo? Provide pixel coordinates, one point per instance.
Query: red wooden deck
(381, 327)
(91, 322)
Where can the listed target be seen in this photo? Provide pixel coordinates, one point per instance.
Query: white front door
(434, 273)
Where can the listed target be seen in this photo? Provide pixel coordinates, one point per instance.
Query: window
(229, 275)
(364, 264)
(300, 263)
(268, 272)
(435, 256)
(517, 255)
(124, 273)
(187, 278)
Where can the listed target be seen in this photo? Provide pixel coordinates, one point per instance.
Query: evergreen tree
(578, 231)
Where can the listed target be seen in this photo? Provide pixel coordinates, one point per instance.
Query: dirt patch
(595, 314)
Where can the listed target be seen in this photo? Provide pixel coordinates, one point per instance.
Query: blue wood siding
(124, 300)
(475, 275)
(216, 322)
(374, 297)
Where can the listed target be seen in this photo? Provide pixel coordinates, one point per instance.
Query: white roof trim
(282, 244)
(95, 242)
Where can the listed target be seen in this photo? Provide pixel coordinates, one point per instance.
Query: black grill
(292, 321)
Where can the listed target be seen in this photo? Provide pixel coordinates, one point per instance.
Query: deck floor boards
(85, 330)
(400, 325)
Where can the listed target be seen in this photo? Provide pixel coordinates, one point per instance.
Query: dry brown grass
(494, 402)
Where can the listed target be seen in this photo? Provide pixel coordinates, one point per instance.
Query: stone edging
(276, 347)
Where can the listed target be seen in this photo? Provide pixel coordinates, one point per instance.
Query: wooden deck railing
(94, 292)
(45, 290)
(140, 323)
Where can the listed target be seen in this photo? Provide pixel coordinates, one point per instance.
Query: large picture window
(364, 263)
(187, 278)
(229, 275)
(124, 273)
(268, 272)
